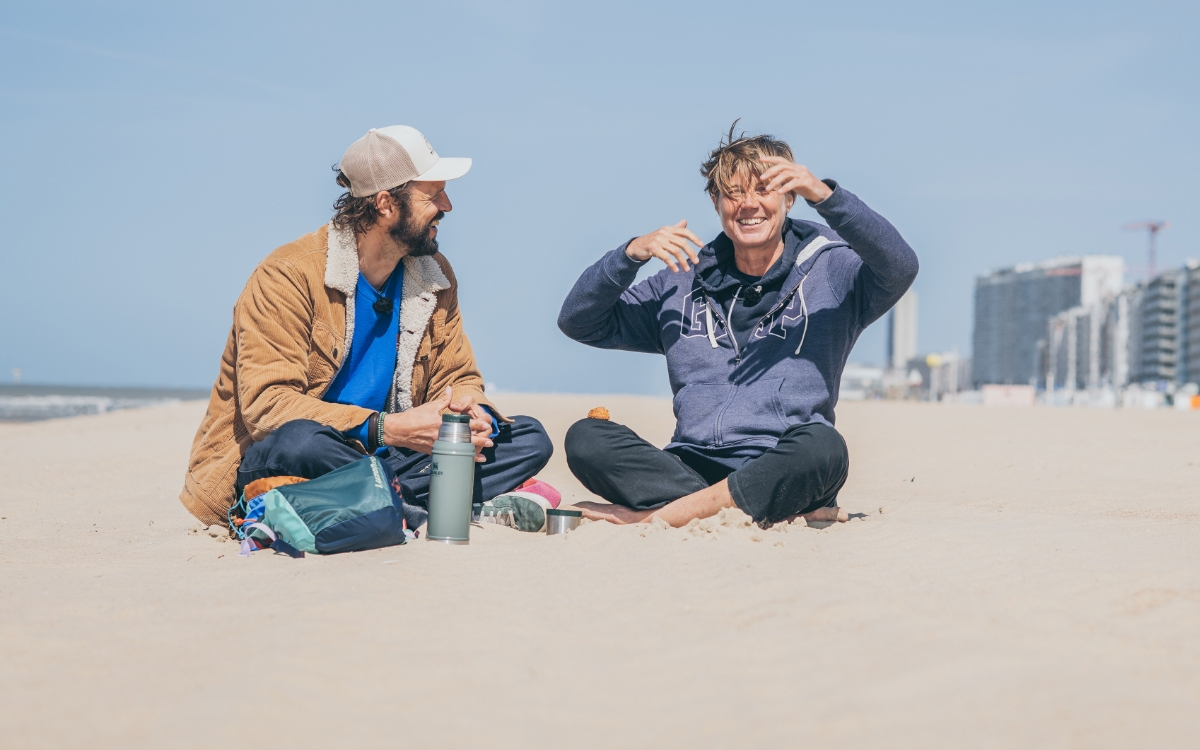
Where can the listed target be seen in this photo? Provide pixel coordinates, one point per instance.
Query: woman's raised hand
(786, 176)
(672, 245)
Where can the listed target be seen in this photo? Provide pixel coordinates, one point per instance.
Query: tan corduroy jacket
(292, 327)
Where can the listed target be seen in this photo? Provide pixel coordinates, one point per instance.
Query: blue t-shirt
(370, 366)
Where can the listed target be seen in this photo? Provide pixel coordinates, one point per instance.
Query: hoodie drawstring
(712, 335)
(733, 303)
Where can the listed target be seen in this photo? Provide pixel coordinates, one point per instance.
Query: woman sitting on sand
(756, 327)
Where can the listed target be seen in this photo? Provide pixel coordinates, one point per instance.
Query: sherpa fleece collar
(423, 279)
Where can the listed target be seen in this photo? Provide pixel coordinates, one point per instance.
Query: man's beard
(418, 239)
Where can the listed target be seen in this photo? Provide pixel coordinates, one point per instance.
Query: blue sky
(151, 153)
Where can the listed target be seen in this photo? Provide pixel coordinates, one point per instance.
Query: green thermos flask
(452, 482)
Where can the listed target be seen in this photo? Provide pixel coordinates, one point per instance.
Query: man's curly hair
(739, 159)
(360, 214)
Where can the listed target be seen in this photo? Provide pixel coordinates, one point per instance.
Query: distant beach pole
(16, 374)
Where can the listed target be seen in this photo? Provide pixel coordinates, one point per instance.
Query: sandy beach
(1010, 578)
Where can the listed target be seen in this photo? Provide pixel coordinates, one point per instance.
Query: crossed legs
(799, 477)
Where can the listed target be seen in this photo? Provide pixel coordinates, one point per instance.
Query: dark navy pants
(303, 448)
(803, 471)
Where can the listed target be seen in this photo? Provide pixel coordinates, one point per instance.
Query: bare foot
(827, 514)
(617, 514)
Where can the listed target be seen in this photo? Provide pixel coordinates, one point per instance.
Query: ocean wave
(34, 408)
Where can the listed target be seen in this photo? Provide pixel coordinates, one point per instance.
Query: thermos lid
(464, 418)
(565, 512)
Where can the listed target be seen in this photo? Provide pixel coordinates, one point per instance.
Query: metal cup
(560, 521)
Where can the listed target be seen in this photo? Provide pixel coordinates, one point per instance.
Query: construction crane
(1153, 227)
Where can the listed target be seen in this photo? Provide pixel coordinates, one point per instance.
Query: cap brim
(447, 168)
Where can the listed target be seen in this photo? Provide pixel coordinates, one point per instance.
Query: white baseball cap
(388, 157)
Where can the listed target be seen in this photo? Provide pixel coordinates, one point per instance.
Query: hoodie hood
(717, 272)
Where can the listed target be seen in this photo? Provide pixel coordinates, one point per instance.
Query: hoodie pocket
(697, 407)
(722, 413)
(754, 414)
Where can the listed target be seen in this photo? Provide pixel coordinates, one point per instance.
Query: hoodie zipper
(737, 351)
(721, 316)
(732, 337)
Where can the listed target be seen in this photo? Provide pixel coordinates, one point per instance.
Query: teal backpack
(350, 509)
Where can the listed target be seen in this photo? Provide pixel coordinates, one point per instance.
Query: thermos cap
(455, 428)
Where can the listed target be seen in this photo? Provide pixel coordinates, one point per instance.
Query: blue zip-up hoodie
(729, 395)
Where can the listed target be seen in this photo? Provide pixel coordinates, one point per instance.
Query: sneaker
(529, 509)
(538, 487)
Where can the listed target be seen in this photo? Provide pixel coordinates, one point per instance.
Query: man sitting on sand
(349, 341)
(756, 328)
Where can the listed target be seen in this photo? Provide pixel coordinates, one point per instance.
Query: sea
(31, 403)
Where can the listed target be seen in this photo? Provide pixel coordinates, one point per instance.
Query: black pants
(303, 448)
(803, 472)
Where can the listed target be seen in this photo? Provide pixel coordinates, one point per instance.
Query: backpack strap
(247, 544)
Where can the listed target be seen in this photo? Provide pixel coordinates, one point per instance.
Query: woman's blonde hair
(737, 160)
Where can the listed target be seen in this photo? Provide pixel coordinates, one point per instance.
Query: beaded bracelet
(379, 430)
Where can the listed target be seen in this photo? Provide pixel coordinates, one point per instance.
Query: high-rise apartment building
(1162, 329)
(1121, 333)
(1087, 347)
(1133, 297)
(902, 332)
(1191, 320)
(1013, 305)
(1164, 335)
(1148, 334)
